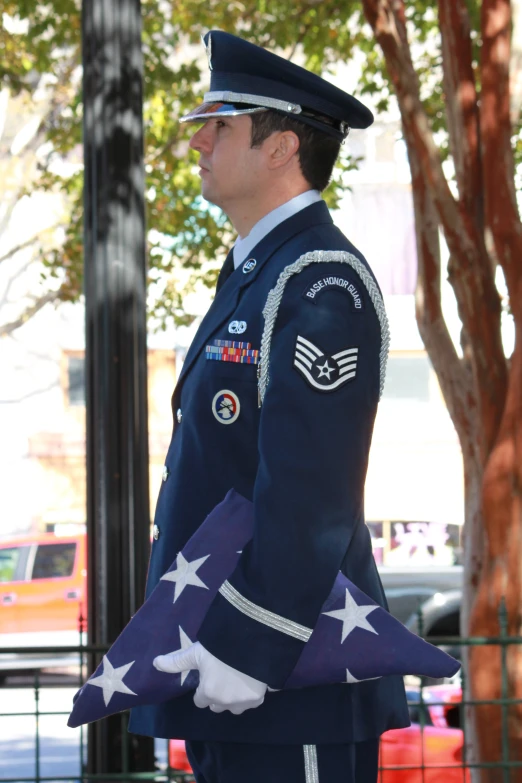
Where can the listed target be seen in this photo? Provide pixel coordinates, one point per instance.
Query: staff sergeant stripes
(307, 356)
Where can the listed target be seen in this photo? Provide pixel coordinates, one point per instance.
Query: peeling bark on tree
(502, 485)
(456, 382)
(483, 393)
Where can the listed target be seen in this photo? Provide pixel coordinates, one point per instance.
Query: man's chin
(208, 194)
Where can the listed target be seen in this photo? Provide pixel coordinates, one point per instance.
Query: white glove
(220, 686)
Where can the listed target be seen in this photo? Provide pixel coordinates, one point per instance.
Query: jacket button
(179, 415)
(166, 473)
(155, 532)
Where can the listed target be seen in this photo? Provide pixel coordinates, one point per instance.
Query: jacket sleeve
(316, 424)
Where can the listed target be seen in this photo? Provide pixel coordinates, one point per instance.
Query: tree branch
(452, 372)
(516, 62)
(9, 209)
(17, 248)
(461, 105)
(386, 18)
(470, 270)
(300, 38)
(21, 269)
(163, 149)
(29, 312)
(502, 217)
(28, 243)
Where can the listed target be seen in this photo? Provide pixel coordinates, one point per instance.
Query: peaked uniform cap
(245, 78)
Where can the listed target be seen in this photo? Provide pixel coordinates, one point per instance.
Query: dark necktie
(226, 270)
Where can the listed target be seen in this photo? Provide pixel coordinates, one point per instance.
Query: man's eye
(220, 124)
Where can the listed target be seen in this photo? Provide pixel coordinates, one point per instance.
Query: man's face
(231, 171)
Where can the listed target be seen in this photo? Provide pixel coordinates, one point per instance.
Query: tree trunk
(473, 545)
(456, 382)
(483, 398)
(501, 578)
(493, 674)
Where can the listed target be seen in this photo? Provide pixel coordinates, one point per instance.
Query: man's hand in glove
(220, 686)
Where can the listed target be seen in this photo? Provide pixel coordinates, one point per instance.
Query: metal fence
(73, 658)
(433, 750)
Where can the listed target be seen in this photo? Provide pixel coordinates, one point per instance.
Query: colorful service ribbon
(232, 351)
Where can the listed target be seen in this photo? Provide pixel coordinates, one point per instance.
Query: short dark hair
(317, 150)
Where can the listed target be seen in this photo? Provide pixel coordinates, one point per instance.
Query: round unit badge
(249, 266)
(225, 406)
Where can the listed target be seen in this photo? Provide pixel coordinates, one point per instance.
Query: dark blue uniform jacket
(302, 458)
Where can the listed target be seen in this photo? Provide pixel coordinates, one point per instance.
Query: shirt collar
(263, 227)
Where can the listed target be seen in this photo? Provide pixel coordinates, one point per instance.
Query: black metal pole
(116, 349)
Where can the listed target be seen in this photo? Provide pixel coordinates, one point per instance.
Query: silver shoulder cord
(273, 301)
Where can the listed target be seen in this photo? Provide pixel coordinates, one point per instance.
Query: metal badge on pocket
(237, 327)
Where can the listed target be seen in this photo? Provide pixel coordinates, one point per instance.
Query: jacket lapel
(224, 303)
(229, 290)
(225, 271)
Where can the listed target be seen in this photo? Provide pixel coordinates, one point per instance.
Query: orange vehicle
(42, 593)
(438, 750)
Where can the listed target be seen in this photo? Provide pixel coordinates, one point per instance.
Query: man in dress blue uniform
(276, 399)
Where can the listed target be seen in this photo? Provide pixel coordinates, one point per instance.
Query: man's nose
(202, 139)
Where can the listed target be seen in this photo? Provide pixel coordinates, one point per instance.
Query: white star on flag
(353, 616)
(185, 643)
(352, 680)
(111, 681)
(185, 574)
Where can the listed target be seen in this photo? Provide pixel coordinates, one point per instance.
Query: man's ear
(284, 147)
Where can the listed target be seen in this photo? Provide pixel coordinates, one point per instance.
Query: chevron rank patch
(323, 371)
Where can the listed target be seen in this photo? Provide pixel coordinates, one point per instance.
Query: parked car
(430, 742)
(42, 596)
(427, 600)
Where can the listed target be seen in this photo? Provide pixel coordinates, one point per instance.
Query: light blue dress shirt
(244, 245)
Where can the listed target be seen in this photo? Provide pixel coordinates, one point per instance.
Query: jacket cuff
(252, 639)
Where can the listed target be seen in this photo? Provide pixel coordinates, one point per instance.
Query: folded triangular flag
(354, 639)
